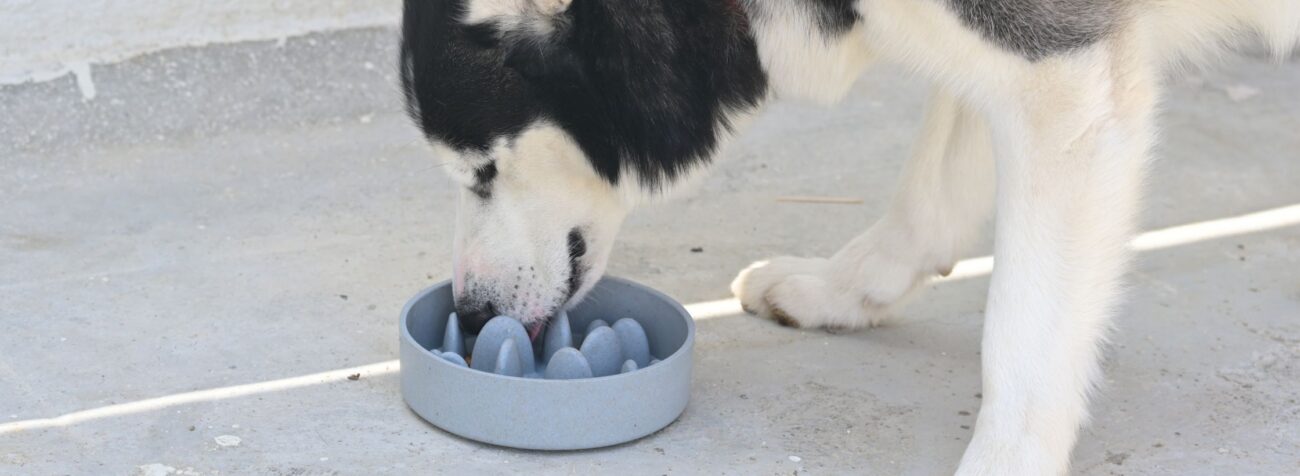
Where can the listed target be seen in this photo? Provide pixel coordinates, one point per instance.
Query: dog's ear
(533, 36)
(542, 52)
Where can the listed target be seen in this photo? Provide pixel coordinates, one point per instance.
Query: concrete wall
(44, 39)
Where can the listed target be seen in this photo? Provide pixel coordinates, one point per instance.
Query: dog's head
(557, 116)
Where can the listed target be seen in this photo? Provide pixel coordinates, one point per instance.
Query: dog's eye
(483, 177)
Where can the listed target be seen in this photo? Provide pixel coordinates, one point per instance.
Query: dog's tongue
(535, 330)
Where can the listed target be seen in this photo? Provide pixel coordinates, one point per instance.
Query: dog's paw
(796, 292)
(752, 283)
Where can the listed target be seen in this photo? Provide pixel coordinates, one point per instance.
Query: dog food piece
(567, 364)
(452, 340)
(509, 362)
(628, 366)
(602, 351)
(632, 338)
(558, 336)
(488, 345)
(596, 324)
(453, 358)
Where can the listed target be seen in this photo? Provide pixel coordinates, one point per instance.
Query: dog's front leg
(942, 202)
(1071, 141)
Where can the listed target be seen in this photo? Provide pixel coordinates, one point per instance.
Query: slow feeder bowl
(541, 414)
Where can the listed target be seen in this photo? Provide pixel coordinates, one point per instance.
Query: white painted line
(708, 309)
(1256, 222)
(209, 395)
(1159, 239)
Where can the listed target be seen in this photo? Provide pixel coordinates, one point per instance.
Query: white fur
(945, 197)
(1070, 156)
(1065, 140)
(1197, 31)
(1069, 136)
(515, 15)
(800, 62)
(544, 187)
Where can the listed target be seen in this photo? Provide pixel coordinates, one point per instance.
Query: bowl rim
(686, 347)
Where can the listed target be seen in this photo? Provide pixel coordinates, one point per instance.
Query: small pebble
(1240, 92)
(154, 469)
(795, 459)
(226, 441)
(628, 366)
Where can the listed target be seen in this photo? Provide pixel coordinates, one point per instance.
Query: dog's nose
(474, 314)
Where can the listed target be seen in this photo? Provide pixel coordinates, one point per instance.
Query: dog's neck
(810, 50)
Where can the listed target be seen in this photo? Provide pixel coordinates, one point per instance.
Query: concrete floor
(213, 244)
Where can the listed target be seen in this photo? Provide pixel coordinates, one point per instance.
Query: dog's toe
(782, 318)
(753, 283)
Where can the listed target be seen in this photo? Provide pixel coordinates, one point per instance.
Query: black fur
(1037, 29)
(644, 85)
(577, 249)
(473, 312)
(455, 85)
(483, 178)
(834, 17)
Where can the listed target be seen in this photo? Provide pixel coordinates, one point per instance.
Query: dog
(558, 117)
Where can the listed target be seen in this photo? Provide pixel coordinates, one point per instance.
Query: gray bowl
(543, 414)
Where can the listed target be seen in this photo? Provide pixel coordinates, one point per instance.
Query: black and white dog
(559, 116)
